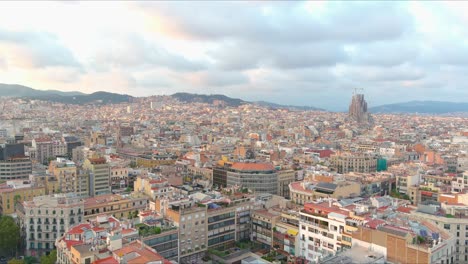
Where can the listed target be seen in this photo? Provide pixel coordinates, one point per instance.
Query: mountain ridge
(421, 106)
(75, 97)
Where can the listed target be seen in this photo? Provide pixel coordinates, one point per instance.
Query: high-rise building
(99, 180)
(358, 109)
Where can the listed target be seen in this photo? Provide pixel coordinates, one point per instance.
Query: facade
(15, 168)
(152, 161)
(13, 162)
(119, 177)
(153, 187)
(219, 177)
(257, 177)
(306, 192)
(192, 226)
(46, 218)
(454, 220)
(286, 233)
(99, 175)
(321, 228)
(353, 162)
(166, 243)
(113, 204)
(285, 177)
(16, 191)
(263, 222)
(400, 246)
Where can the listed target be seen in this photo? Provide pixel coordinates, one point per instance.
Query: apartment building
(166, 243)
(114, 204)
(104, 240)
(153, 186)
(353, 162)
(65, 173)
(192, 226)
(321, 227)
(13, 162)
(428, 244)
(286, 233)
(13, 192)
(454, 219)
(285, 177)
(99, 175)
(305, 191)
(263, 222)
(46, 218)
(228, 222)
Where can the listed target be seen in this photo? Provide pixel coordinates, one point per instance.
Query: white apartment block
(48, 217)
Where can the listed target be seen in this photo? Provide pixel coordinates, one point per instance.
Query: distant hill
(423, 107)
(16, 90)
(97, 97)
(209, 99)
(292, 107)
(202, 98)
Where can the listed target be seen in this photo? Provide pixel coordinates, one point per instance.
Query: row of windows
(221, 217)
(221, 224)
(220, 239)
(159, 240)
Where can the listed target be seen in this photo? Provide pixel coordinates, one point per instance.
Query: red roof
(405, 210)
(71, 243)
(375, 223)
(243, 166)
(79, 229)
(108, 260)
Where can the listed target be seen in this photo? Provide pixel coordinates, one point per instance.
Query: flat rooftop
(357, 254)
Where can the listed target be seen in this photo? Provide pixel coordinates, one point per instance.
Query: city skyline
(313, 55)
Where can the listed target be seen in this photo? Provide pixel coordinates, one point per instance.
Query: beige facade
(99, 175)
(285, 177)
(48, 217)
(353, 162)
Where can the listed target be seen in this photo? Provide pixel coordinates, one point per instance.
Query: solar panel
(423, 232)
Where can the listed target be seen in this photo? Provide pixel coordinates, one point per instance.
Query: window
(447, 226)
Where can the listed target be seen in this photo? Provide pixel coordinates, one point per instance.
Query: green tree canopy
(9, 235)
(15, 261)
(49, 259)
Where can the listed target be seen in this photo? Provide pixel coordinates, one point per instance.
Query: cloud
(217, 78)
(247, 55)
(383, 74)
(35, 50)
(133, 51)
(289, 22)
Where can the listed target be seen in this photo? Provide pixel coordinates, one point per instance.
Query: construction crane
(356, 90)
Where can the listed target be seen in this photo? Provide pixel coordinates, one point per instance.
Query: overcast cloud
(301, 53)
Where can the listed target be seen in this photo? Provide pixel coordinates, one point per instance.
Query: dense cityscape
(157, 180)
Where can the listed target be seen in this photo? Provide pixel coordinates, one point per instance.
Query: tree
(16, 200)
(15, 261)
(9, 235)
(49, 259)
(30, 260)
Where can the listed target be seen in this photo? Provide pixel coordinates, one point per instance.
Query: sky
(300, 53)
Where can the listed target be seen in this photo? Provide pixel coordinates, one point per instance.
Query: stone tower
(358, 109)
